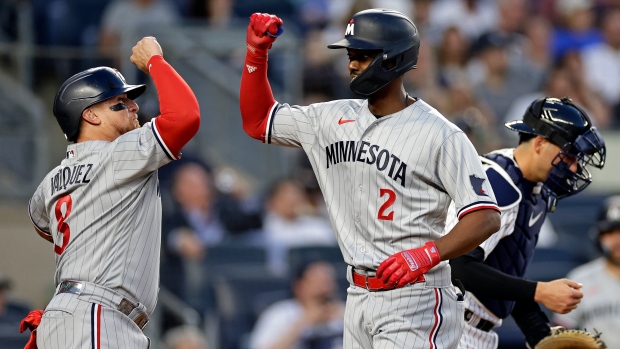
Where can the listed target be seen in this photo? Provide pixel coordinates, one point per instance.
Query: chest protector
(514, 252)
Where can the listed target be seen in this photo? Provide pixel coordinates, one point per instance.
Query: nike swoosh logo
(534, 219)
(344, 121)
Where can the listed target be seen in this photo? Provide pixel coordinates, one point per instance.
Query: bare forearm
(468, 233)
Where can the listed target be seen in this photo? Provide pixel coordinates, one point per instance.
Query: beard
(613, 259)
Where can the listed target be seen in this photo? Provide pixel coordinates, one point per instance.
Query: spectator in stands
(537, 44)
(421, 15)
(500, 79)
(124, 20)
(602, 61)
(239, 210)
(510, 24)
(11, 314)
(312, 319)
(472, 17)
(472, 117)
(424, 82)
(193, 226)
(600, 307)
(561, 81)
(207, 210)
(290, 221)
(185, 337)
(194, 193)
(576, 28)
(452, 56)
(583, 94)
(303, 173)
(318, 70)
(218, 13)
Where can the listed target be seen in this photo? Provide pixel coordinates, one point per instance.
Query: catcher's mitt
(561, 338)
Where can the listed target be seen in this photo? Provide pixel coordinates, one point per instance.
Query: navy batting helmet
(569, 127)
(390, 33)
(609, 216)
(85, 89)
(608, 219)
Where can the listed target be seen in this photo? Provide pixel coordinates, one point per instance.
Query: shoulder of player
(354, 103)
(588, 270)
(424, 112)
(322, 108)
(506, 192)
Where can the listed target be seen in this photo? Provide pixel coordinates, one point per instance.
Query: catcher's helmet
(85, 89)
(387, 31)
(569, 127)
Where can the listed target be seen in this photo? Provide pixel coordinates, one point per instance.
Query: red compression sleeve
(180, 114)
(256, 97)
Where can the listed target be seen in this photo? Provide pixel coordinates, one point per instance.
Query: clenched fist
(143, 51)
(262, 31)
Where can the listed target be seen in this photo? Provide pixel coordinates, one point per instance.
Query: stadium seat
(239, 296)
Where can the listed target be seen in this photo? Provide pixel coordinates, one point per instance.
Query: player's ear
(539, 142)
(89, 116)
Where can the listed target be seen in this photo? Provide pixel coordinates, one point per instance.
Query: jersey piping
(161, 141)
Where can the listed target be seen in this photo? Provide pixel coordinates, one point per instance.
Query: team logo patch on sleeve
(476, 184)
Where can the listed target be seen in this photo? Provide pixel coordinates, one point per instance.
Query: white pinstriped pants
(412, 317)
(474, 338)
(72, 323)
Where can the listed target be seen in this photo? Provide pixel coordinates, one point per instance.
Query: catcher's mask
(85, 89)
(392, 35)
(569, 127)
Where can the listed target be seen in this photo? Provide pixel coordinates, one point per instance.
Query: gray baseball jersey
(387, 183)
(102, 207)
(600, 306)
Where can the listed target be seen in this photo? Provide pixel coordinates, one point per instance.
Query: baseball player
(388, 166)
(600, 307)
(557, 144)
(101, 207)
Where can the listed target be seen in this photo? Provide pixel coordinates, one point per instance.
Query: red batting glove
(31, 321)
(262, 32)
(407, 266)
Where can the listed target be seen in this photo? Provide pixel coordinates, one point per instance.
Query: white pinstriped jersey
(387, 181)
(508, 213)
(102, 207)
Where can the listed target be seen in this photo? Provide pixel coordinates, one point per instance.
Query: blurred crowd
(481, 63)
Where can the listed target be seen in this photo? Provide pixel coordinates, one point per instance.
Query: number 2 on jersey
(63, 228)
(389, 202)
